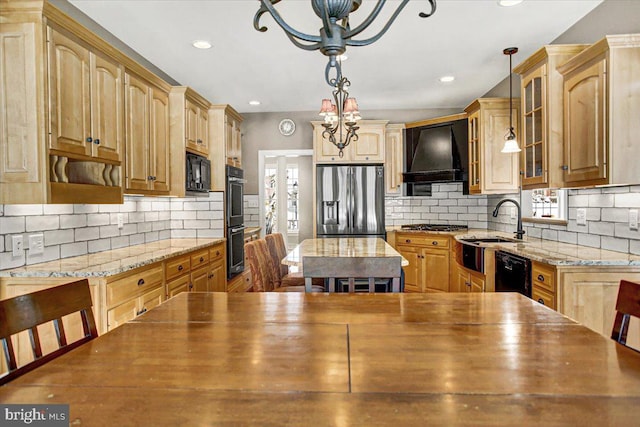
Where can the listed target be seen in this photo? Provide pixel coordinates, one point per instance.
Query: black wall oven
(235, 220)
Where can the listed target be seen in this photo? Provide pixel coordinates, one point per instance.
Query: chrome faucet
(519, 232)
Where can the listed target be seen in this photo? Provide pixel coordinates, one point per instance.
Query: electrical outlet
(581, 216)
(120, 220)
(633, 219)
(252, 203)
(16, 245)
(513, 213)
(36, 244)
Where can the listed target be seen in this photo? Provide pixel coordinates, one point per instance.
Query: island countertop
(115, 261)
(342, 247)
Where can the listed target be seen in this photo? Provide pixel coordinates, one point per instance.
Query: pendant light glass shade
(510, 144)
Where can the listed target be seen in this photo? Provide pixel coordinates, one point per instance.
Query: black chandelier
(336, 32)
(340, 118)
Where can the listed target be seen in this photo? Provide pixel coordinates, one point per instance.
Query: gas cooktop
(434, 227)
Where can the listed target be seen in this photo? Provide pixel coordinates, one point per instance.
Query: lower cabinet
(241, 283)
(199, 280)
(543, 284)
(217, 279)
(429, 260)
(468, 280)
(181, 284)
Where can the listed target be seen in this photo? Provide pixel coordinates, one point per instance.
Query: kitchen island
(343, 360)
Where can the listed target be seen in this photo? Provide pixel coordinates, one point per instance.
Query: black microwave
(198, 173)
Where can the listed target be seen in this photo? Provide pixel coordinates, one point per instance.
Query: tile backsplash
(71, 230)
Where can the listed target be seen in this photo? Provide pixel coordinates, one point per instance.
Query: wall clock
(287, 127)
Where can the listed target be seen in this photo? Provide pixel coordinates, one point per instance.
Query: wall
(607, 224)
(72, 230)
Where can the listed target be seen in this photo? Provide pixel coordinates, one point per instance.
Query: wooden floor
(343, 360)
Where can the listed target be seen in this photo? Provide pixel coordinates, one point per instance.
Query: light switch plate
(36, 244)
(120, 220)
(633, 219)
(16, 245)
(581, 216)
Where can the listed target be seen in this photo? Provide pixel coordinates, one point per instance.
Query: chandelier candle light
(345, 110)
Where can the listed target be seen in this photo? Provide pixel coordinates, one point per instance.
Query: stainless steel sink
(488, 240)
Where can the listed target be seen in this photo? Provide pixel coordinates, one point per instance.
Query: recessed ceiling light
(447, 79)
(254, 102)
(201, 44)
(508, 3)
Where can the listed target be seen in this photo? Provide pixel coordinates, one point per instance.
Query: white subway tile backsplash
(109, 231)
(567, 237)
(623, 230)
(79, 209)
(94, 220)
(184, 214)
(23, 210)
(73, 249)
(73, 221)
(151, 216)
(128, 229)
(614, 244)
(120, 242)
(183, 234)
(634, 247)
(12, 224)
(627, 200)
(549, 234)
(7, 260)
(58, 236)
(615, 215)
(136, 239)
(41, 223)
(144, 227)
(152, 236)
(50, 253)
(57, 209)
(601, 200)
(196, 206)
(602, 228)
(87, 233)
(99, 245)
(135, 217)
(591, 240)
(164, 234)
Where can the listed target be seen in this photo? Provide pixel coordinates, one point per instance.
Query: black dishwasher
(513, 273)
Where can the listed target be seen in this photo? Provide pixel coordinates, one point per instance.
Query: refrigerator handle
(352, 199)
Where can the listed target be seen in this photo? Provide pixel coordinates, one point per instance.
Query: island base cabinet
(590, 299)
(134, 308)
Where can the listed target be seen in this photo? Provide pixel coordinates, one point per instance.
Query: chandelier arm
(314, 46)
(381, 33)
(372, 16)
(433, 10)
(267, 6)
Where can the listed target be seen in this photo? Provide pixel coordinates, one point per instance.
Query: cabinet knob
(140, 282)
(211, 276)
(366, 158)
(565, 167)
(190, 286)
(468, 284)
(541, 301)
(541, 277)
(150, 178)
(180, 267)
(408, 241)
(434, 243)
(477, 180)
(96, 141)
(217, 253)
(144, 310)
(201, 259)
(89, 139)
(199, 141)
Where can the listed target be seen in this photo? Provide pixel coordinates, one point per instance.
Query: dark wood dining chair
(26, 312)
(627, 305)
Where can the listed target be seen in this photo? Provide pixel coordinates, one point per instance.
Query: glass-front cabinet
(541, 88)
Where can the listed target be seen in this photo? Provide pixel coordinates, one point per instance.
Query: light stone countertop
(112, 262)
(342, 248)
(546, 251)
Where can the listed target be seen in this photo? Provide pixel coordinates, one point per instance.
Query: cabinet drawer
(434, 241)
(241, 283)
(133, 285)
(543, 297)
(181, 284)
(177, 266)
(216, 252)
(150, 300)
(543, 276)
(200, 258)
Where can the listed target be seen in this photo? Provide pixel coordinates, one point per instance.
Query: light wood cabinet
(490, 171)
(429, 261)
(394, 158)
(601, 107)
(225, 142)
(147, 137)
(175, 286)
(189, 120)
(134, 308)
(468, 280)
(368, 148)
(241, 282)
(542, 156)
(199, 280)
(543, 284)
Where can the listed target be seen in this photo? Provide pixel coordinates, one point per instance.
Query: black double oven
(235, 220)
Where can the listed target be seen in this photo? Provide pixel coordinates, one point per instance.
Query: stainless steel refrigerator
(350, 201)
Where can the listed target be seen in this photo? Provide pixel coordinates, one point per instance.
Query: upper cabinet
(368, 148)
(147, 136)
(490, 171)
(601, 110)
(226, 142)
(394, 153)
(541, 138)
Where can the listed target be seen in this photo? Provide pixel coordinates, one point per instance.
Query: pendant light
(511, 144)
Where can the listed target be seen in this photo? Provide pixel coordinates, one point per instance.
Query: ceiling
(400, 71)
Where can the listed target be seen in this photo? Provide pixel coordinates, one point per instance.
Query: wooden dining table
(307, 359)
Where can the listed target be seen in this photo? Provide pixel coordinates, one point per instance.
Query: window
(544, 205)
(292, 198)
(270, 199)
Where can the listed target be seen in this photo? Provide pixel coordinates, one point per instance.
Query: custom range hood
(436, 153)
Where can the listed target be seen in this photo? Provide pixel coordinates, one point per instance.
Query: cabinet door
(411, 271)
(191, 125)
(69, 95)
(217, 279)
(474, 153)
(477, 282)
(107, 127)
(203, 131)
(585, 125)
(534, 159)
(229, 137)
(462, 283)
(137, 134)
(499, 172)
(150, 300)
(200, 280)
(393, 160)
(159, 141)
(435, 263)
(370, 145)
(325, 151)
(178, 285)
(122, 313)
